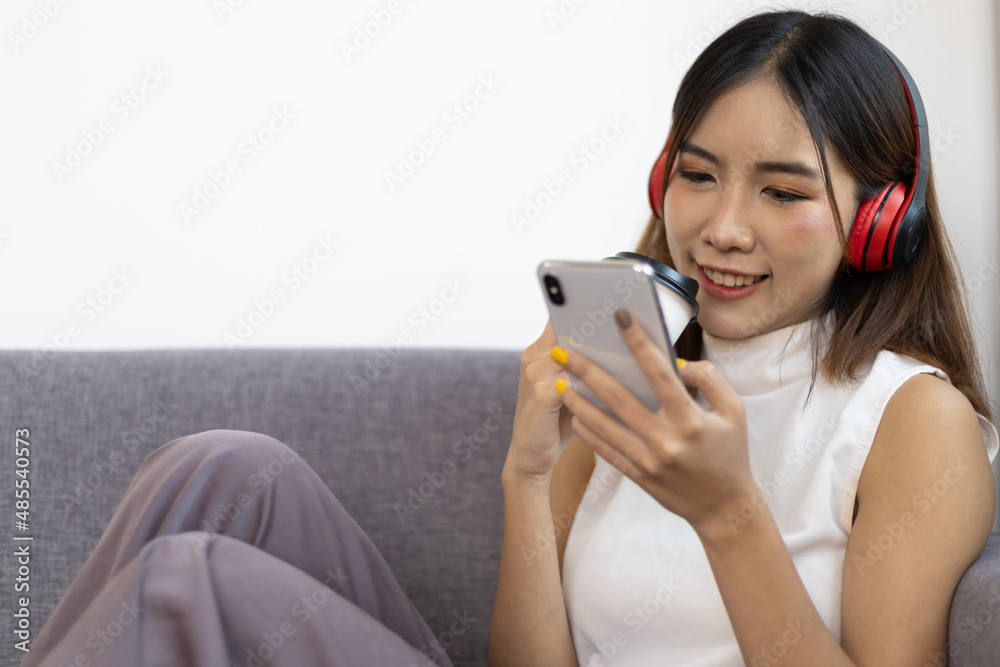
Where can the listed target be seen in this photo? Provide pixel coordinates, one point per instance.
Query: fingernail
(560, 386)
(680, 364)
(623, 319)
(559, 355)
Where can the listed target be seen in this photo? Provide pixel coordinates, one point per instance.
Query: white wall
(226, 66)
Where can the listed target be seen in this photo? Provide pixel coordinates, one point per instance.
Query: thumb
(707, 379)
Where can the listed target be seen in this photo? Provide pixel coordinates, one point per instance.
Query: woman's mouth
(731, 279)
(728, 286)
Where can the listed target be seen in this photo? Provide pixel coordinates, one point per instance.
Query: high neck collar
(763, 363)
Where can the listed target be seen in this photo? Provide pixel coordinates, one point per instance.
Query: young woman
(818, 478)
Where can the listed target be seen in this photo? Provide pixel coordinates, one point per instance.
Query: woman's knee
(255, 457)
(180, 550)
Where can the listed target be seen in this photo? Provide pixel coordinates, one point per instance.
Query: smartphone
(582, 298)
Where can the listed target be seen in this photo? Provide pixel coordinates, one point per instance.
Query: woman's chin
(725, 327)
(742, 328)
(727, 334)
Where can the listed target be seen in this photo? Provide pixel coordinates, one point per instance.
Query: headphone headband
(912, 219)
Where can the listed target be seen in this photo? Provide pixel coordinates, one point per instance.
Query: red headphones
(888, 227)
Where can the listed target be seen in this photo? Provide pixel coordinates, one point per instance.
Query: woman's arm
(529, 625)
(529, 615)
(540, 477)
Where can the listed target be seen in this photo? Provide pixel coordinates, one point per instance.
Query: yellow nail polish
(680, 364)
(559, 355)
(560, 386)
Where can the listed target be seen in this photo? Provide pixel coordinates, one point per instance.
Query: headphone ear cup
(907, 237)
(870, 234)
(859, 231)
(656, 182)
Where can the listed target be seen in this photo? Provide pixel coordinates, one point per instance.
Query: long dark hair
(851, 98)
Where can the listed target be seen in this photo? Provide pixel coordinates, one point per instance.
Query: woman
(821, 495)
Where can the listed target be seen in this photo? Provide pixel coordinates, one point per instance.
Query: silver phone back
(585, 321)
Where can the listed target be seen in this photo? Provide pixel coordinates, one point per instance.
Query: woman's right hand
(542, 428)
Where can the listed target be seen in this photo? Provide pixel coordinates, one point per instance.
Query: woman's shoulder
(928, 401)
(920, 397)
(927, 428)
(893, 368)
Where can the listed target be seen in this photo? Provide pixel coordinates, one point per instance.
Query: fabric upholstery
(412, 444)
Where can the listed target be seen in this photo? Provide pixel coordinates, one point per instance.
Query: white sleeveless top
(638, 587)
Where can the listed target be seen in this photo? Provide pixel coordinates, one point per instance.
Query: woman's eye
(696, 177)
(782, 196)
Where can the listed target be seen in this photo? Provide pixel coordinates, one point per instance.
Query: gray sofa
(404, 442)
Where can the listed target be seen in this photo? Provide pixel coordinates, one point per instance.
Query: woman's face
(747, 213)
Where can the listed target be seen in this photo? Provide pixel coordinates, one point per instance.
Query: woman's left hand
(693, 461)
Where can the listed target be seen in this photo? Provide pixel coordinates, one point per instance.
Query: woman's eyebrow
(794, 168)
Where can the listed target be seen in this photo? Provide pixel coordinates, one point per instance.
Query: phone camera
(554, 290)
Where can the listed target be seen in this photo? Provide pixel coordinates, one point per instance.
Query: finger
(621, 401)
(545, 340)
(618, 440)
(604, 450)
(657, 367)
(548, 334)
(538, 354)
(719, 394)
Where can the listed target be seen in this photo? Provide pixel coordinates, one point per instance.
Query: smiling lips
(730, 279)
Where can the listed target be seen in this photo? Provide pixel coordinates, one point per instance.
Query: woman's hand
(695, 462)
(541, 428)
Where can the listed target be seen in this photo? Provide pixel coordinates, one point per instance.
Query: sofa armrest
(974, 626)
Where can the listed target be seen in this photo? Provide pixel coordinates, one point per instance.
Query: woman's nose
(728, 228)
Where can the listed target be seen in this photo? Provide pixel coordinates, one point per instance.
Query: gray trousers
(228, 550)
